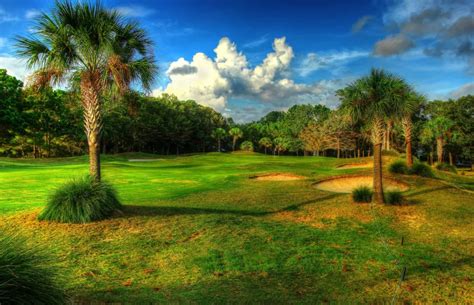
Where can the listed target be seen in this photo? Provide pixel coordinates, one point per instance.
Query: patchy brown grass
(278, 177)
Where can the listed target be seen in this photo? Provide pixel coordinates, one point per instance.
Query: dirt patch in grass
(356, 165)
(278, 177)
(345, 184)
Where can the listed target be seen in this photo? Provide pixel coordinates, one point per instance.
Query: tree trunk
(407, 127)
(234, 140)
(90, 89)
(338, 149)
(439, 149)
(265, 148)
(219, 145)
(450, 158)
(377, 136)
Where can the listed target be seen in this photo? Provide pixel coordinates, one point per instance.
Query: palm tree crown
(93, 47)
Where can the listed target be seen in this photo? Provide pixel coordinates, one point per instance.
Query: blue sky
(245, 58)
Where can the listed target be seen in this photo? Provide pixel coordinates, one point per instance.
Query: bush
(391, 153)
(246, 146)
(398, 167)
(393, 197)
(80, 201)
(26, 275)
(421, 169)
(362, 194)
(445, 167)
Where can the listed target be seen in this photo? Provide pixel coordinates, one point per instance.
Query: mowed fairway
(196, 229)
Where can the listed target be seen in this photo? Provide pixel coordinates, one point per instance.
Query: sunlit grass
(196, 229)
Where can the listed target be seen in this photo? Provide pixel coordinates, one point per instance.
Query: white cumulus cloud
(213, 81)
(14, 66)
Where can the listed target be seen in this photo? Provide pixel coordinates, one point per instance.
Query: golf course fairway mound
(346, 184)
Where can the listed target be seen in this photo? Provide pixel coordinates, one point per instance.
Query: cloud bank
(213, 81)
(439, 27)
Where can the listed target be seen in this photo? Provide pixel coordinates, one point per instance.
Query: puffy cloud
(313, 62)
(461, 27)
(393, 45)
(213, 82)
(14, 66)
(463, 90)
(361, 23)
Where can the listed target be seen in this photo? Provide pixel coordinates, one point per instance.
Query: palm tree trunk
(439, 149)
(233, 143)
(407, 126)
(377, 136)
(450, 158)
(90, 89)
(265, 149)
(219, 145)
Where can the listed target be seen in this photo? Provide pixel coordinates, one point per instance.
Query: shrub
(398, 167)
(80, 201)
(421, 169)
(445, 167)
(362, 194)
(393, 197)
(26, 275)
(391, 153)
(246, 146)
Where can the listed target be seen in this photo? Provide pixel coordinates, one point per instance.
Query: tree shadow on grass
(132, 210)
(428, 190)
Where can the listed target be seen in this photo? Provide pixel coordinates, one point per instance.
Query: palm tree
(219, 134)
(409, 107)
(266, 143)
(438, 128)
(91, 47)
(236, 134)
(373, 99)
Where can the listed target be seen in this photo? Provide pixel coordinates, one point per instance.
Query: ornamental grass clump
(81, 201)
(362, 194)
(26, 274)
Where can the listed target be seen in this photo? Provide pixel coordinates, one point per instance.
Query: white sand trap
(356, 165)
(278, 177)
(347, 184)
(144, 160)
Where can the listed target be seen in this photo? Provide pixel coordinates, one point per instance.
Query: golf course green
(200, 229)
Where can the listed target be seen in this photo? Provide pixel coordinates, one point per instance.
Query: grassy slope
(197, 230)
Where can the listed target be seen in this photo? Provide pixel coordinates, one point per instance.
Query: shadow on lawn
(131, 210)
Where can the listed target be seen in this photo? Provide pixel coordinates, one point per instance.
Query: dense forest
(48, 123)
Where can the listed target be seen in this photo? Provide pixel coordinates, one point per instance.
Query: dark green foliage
(26, 275)
(393, 197)
(421, 169)
(445, 167)
(81, 201)
(398, 167)
(362, 194)
(246, 146)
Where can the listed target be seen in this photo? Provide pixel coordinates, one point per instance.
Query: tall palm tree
(373, 99)
(94, 48)
(236, 133)
(438, 128)
(219, 134)
(409, 107)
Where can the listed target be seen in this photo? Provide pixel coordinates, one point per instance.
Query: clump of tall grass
(26, 274)
(362, 194)
(81, 201)
(445, 167)
(393, 197)
(421, 169)
(398, 167)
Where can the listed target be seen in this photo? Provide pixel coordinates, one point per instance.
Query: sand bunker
(356, 165)
(278, 177)
(348, 183)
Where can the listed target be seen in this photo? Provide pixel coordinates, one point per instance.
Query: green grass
(196, 229)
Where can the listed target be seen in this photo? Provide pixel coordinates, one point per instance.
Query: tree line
(48, 123)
